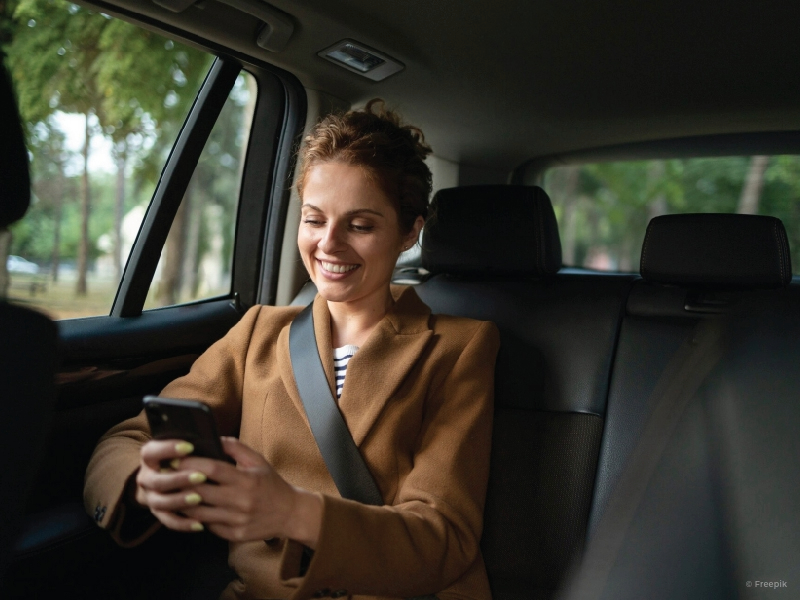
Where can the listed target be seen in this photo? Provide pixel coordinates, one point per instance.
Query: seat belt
(338, 449)
(678, 384)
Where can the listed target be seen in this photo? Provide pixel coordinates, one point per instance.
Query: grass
(58, 300)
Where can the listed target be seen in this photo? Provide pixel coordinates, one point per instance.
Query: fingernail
(165, 470)
(184, 448)
(193, 498)
(197, 527)
(175, 463)
(197, 477)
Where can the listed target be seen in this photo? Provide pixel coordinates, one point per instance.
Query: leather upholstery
(497, 230)
(27, 348)
(717, 250)
(14, 178)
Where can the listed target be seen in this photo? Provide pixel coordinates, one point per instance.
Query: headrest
(15, 192)
(717, 250)
(492, 230)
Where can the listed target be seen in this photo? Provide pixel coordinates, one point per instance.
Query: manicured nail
(197, 477)
(197, 527)
(165, 470)
(193, 498)
(175, 463)
(184, 448)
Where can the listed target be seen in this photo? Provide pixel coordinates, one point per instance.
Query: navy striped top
(342, 356)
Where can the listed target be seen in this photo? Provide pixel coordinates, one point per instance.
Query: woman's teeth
(332, 268)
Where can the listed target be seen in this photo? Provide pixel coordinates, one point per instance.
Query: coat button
(99, 513)
(323, 593)
(338, 593)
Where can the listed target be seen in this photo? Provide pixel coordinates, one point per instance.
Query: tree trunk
(83, 247)
(657, 206)
(194, 205)
(169, 289)
(5, 250)
(570, 214)
(58, 212)
(751, 193)
(119, 209)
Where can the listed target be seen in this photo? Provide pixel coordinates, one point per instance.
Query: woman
(416, 396)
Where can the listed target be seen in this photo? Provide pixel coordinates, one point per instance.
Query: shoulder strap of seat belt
(338, 449)
(678, 384)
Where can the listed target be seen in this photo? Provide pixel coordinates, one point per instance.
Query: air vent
(363, 60)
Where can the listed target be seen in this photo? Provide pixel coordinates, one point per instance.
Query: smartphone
(189, 420)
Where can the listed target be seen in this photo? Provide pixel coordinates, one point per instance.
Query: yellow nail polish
(197, 527)
(184, 448)
(175, 463)
(193, 498)
(197, 477)
(165, 470)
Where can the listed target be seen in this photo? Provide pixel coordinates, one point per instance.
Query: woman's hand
(249, 501)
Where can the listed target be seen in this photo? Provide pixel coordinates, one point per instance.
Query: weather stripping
(358, 58)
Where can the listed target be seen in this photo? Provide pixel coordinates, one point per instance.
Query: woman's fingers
(169, 480)
(178, 522)
(157, 452)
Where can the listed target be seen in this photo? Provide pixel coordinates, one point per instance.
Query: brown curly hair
(375, 139)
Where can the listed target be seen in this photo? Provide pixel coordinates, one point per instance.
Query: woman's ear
(413, 235)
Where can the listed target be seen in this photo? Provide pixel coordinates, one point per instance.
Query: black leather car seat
(685, 535)
(494, 253)
(27, 347)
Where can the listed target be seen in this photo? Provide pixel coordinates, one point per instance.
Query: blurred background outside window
(603, 208)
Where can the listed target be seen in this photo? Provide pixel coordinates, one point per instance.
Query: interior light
(358, 58)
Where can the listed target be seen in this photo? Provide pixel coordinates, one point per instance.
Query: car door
(109, 362)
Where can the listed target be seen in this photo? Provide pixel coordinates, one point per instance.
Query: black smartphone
(189, 420)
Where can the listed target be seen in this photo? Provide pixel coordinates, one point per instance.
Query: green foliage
(608, 205)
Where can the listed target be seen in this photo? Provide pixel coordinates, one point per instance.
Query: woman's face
(349, 235)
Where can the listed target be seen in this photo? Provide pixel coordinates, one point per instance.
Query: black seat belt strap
(339, 451)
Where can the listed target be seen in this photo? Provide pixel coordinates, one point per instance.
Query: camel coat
(418, 401)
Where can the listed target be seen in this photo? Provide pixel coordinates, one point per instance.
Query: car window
(102, 102)
(603, 209)
(197, 259)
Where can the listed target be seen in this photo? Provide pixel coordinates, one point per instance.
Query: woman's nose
(332, 240)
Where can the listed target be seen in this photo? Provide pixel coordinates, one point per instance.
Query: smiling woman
(423, 428)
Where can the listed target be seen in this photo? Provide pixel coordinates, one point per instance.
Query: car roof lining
(494, 85)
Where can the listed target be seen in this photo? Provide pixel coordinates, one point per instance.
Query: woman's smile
(330, 269)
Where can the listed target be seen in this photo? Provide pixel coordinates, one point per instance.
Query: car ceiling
(493, 84)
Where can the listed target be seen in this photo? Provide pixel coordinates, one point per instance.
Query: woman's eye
(313, 222)
(362, 228)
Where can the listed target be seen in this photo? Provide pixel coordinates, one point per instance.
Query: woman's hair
(375, 139)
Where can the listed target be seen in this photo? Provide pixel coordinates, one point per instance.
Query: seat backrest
(494, 254)
(27, 347)
(678, 544)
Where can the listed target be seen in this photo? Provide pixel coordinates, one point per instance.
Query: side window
(197, 258)
(102, 102)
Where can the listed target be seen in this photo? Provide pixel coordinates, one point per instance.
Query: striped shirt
(342, 356)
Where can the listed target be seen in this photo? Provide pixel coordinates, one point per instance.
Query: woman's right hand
(167, 491)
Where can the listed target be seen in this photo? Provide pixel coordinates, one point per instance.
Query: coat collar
(379, 367)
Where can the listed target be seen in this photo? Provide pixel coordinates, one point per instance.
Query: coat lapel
(379, 367)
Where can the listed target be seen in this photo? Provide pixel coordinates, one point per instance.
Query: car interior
(626, 463)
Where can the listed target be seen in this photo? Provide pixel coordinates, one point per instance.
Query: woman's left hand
(251, 501)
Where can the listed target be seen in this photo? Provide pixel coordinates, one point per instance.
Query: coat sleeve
(215, 378)
(430, 537)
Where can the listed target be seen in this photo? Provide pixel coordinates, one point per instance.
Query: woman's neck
(352, 322)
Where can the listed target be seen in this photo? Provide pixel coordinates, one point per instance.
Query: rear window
(603, 208)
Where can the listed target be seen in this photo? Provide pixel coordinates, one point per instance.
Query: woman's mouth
(336, 268)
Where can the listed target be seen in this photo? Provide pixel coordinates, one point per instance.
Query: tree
(54, 67)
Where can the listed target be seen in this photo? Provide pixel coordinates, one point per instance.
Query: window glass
(603, 209)
(197, 259)
(102, 102)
